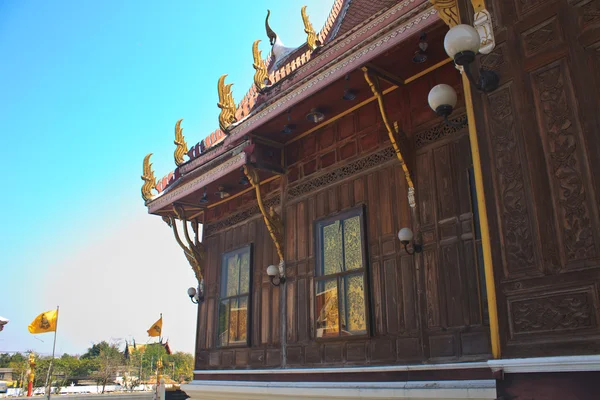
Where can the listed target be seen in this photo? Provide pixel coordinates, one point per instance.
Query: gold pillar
(448, 12)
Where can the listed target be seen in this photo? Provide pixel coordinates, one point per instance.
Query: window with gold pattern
(234, 298)
(341, 278)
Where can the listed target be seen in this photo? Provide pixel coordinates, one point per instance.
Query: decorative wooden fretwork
(439, 131)
(345, 171)
(241, 216)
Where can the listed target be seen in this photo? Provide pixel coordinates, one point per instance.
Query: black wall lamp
(406, 236)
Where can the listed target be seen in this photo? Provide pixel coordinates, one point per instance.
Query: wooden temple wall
(541, 160)
(432, 313)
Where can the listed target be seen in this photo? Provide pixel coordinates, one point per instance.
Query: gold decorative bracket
(149, 180)
(226, 104)
(194, 250)
(311, 38)
(373, 82)
(272, 219)
(482, 21)
(181, 144)
(261, 77)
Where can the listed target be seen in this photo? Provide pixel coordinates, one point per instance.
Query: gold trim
(447, 10)
(226, 104)
(272, 219)
(149, 179)
(311, 38)
(374, 85)
(181, 144)
(261, 77)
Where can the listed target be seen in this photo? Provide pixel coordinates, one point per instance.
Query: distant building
(6, 374)
(130, 348)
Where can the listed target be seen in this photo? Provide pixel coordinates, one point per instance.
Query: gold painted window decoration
(234, 300)
(341, 304)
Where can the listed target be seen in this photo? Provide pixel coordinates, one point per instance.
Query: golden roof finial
(149, 179)
(311, 38)
(226, 104)
(261, 77)
(181, 144)
(272, 35)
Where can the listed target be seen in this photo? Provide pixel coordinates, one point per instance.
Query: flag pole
(49, 389)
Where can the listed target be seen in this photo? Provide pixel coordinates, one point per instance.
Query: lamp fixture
(196, 295)
(462, 43)
(204, 198)
(349, 93)
(221, 193)
(276, 274)
(244, 179)
(421, 54)
(442, 99)
(288, 128)
(315, 115)
(406, 236)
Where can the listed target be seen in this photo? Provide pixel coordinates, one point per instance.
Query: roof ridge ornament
(181, 144)
(311, 39)
(261, 77)
(149, 180)
(270, 33)
(226, 104)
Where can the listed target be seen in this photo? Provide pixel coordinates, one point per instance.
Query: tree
(94, 351)
(109, 360)
(184, 366)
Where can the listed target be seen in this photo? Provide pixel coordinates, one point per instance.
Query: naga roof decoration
(182, 148)
(226, 104)
(261, 77)
(149, 179)
(311, 39)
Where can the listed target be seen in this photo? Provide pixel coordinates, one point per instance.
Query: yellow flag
(156, 328)
(45, 322)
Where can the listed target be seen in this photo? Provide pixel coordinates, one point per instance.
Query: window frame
(318, 224)
(219, 299)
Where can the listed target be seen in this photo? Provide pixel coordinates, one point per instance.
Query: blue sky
(87, 88)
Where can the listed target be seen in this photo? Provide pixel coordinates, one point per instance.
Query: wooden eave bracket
(273, 221)
(194, 250)
(373, 81)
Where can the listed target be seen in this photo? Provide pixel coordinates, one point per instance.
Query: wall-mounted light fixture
(289, 127)
(462, 43)
(406, 236)
(204, 198)
(421, 54)
(349, 93)
(222, 193)
(276, 274)
(315, 115)
(196, 295)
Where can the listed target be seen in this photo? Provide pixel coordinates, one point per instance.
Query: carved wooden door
(453, 319)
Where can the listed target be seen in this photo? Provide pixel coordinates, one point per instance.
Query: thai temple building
(404, 207)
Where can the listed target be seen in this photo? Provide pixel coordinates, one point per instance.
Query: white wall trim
(347, 370)
(477, 389)
(547, 364)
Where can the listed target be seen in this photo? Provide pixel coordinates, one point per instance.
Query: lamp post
(31, 374)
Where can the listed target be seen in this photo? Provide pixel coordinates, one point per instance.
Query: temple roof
(350, 25)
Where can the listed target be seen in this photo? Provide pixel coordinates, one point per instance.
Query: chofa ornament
(226, 104)
(149, 179)
(181, 144)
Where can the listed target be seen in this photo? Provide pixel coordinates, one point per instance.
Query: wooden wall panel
(540, 149)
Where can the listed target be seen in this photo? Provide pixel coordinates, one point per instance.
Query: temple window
(341, 279)
(234, 298)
